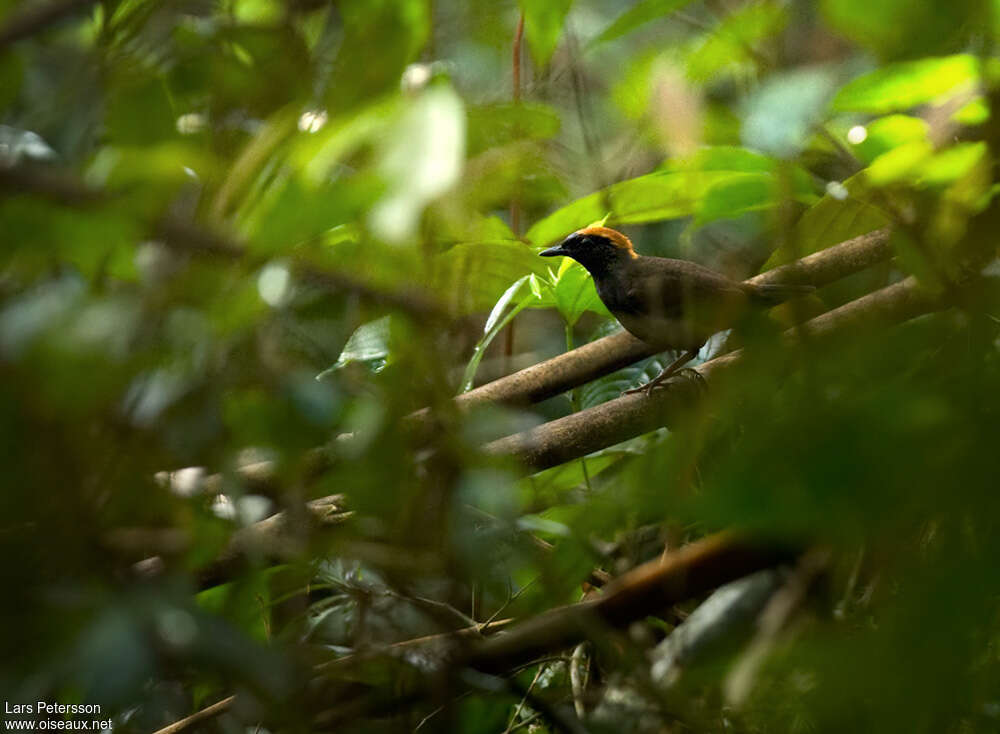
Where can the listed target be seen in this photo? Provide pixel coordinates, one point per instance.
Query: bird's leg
(669, 372)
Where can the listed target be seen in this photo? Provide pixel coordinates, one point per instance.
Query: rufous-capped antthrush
(667, 303)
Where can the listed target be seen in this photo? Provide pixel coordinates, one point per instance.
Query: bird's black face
(574, 245)
(594, 252)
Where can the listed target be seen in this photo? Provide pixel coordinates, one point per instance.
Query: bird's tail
(774, 293)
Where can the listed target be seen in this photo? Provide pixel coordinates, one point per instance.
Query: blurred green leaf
(498, 124)
(908, 84)
(421, 158)
(397, 28)
(141, 113)
(898, 29)
(917, 163)
(543, 25)
(676, 191)
(951, 164)
(745, 192)
(898, 164)
(730, 46)
(639, 14)
(833, 219)
(472, 276)
(886, 133)
(11, 77)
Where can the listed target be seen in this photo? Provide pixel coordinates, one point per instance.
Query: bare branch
(198, 717)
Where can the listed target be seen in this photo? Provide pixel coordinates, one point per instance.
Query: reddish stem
(515, 203)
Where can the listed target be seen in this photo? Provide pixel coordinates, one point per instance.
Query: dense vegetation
(245, 240)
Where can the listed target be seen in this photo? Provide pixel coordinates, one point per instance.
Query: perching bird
(669, 304)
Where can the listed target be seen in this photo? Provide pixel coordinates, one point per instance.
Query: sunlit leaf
(575, 293)
(886, 133)
(422, 159)
(951, 164)
(908, 84)
(898, 164)
(674, 192)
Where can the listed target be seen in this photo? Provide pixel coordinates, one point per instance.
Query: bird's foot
(688, 372)
(695, 376)
(646, 388)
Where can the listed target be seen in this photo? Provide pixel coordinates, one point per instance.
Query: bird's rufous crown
(612, 235)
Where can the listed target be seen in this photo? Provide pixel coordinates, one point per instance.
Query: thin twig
(520, 704)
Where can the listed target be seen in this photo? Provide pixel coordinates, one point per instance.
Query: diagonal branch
(647, 589)
(604, 425)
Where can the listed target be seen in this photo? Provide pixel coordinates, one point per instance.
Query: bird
(667, 303)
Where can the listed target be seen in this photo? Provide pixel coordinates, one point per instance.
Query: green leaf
(899, 164)
(500, 124)
(368, 344)
(291, 211)
(886, 133)
(831, 220)
(543, 24)
(731, 45)
(674, 192)
(739, 193)
(550, 486)
(421, 158)
(908, 84)
(498, 319)
(140, 113)
(612, 386)
(471, 276)
(501, 304)
(974, 112)
(575, 293)
(900, 28)
(951, 164)
(639, 14)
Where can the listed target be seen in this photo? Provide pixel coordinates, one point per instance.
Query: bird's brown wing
(678, 288)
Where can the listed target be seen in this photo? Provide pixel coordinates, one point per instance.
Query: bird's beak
(556, 250)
